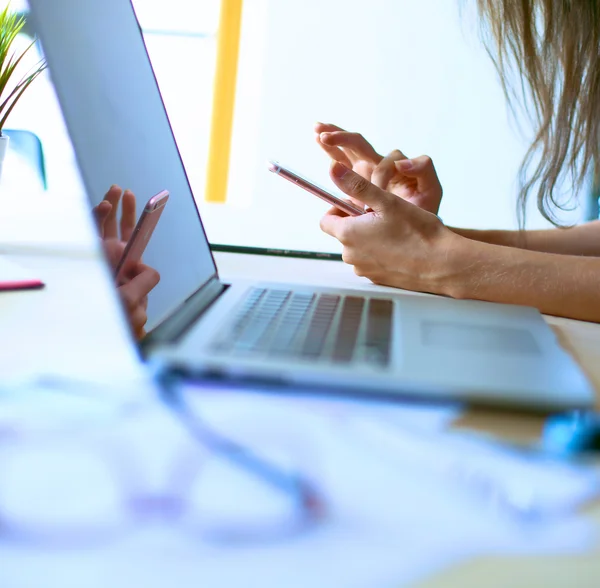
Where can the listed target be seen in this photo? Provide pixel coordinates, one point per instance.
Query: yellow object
(228, 48)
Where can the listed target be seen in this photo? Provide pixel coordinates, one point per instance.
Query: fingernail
(339, 170)
(324, 135)
(405, 164)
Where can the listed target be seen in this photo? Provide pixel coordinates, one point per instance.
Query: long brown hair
(554, 47)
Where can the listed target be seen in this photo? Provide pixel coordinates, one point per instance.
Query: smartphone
(143, 231)
(317, 191)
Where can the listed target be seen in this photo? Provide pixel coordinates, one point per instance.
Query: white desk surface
(66, 326)
(61, 327)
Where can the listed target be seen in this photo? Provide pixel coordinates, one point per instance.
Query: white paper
(393, 518)
(518, 482)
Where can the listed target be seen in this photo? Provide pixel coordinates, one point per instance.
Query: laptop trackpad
(456, 336)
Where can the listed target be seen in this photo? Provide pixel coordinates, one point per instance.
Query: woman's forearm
(580, 240)
(560, 285)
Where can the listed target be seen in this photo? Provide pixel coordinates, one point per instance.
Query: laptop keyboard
(310, 326)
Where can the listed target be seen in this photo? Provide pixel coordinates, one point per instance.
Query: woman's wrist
(493, 237)
(459, 265)
(559, 285)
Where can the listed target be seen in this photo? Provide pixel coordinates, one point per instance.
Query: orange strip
(228, 48)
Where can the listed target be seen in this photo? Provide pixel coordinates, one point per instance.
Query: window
(408, 75)
(38, 111)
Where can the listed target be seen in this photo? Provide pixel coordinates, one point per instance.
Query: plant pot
(3, 149)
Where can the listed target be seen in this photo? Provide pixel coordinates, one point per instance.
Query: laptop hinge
(185, 316)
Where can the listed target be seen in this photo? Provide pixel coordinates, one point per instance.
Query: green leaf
(22, 87)
(11, 24)
(12, 64)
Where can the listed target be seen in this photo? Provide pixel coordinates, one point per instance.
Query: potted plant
(11, 24)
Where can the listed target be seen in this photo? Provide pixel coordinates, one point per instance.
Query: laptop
(360, 343)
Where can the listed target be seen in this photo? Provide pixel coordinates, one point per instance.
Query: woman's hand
(414, 180)
(107, 211)
(395, 243)
(138, 279)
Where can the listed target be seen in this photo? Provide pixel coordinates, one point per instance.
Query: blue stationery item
(572, 433)
(29, 146)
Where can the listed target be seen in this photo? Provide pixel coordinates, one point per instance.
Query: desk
(581, 339)
(62, 309)
(53, 329)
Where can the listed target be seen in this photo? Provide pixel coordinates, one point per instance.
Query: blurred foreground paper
(391, 521)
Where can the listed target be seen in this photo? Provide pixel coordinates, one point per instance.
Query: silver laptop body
(356, 342)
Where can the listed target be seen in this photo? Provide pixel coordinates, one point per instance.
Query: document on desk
(15, 277)
(392, 516)
(520, 483)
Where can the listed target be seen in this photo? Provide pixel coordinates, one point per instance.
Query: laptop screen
(121, 133)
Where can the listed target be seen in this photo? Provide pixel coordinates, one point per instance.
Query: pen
(275, 252)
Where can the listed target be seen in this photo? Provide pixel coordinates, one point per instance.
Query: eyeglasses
(97, 485)
(286, 478)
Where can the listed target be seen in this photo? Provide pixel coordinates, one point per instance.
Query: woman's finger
(127, 215)
(101, 213)
(326, 128)
(353, 144)
(359, 188)
(139, 335)
(113, 249)
(110, 224)
(335, 153)
(421, 168)
(142, 281)
(335, 211)
(137, 319)
(333, 223)
(386, 170)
